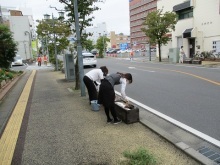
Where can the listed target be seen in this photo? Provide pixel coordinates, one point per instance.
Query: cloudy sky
(115, 13)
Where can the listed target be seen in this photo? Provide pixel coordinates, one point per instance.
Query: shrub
(140, 157)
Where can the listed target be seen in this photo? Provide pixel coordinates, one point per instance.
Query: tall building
(119, 41)
(22, 28)
(138, 13)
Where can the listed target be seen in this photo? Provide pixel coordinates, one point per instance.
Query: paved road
(187, 93)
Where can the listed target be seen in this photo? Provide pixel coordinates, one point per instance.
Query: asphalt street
(189, 94)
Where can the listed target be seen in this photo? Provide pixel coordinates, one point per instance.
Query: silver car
(17, 61)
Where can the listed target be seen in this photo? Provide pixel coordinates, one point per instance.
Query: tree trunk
(159, 51)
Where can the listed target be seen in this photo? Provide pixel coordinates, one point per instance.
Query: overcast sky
(115, 13)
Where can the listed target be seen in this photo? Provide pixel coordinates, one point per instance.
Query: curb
(8, 86)
(179, 144)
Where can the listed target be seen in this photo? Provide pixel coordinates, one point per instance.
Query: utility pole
(79, 49)
(55, 44)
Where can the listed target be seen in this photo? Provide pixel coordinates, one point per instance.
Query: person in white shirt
(181, 55)
(107, 93)
(90, 79)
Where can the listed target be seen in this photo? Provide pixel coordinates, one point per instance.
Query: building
(97, 31)
(119, 41)
(138, 13)
(197, 27)
(22, 27)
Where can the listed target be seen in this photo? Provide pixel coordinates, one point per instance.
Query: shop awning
(187, 33)
(181, 6)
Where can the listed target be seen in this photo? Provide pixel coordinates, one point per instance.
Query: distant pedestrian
(131, 55)
(107, 93)
(90, 79)
(181, 55)
(45, 60)
(39, 60)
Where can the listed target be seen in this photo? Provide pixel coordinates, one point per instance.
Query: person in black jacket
(107, 93)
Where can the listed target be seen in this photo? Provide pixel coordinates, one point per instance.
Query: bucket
(95, 106)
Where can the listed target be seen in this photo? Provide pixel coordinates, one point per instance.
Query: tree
(86, 9)
(101, 44)
(158, 25)
(8, 47)
(48, 29)
(89, 45)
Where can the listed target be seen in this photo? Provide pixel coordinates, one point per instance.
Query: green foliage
(8, 74)
(139, 157)
(89, 45)
(101, 45)
(86, 9)
(159, 24)
(8, 47)
(50, 30)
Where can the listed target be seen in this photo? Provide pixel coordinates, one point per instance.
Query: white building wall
(20, 27)
(205, 21)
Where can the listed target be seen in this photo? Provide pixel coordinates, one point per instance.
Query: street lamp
(79, 49)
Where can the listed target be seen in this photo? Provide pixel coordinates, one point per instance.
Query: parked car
(121, 51)
(153, 49)
(95, 52)
(89, 59)
(114, 51)
(124, 51)
(110, 49)
(17, 61)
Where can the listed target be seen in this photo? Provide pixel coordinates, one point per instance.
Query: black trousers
(107, 98)
(93, 95)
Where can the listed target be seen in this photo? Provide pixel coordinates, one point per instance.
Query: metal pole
(79, 49)
(149, 53)
(55, 45)
(47, 50)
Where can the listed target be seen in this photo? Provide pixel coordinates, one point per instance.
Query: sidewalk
(59, 128)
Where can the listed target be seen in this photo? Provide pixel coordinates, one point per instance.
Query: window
(184, 14)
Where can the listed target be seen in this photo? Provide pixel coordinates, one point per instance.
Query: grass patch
(139, 157)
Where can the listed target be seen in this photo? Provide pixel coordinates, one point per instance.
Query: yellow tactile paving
(11, 132)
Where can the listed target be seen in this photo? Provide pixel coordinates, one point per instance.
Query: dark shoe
(117, 121)
(109, 121)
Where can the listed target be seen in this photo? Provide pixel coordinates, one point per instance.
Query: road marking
(190, 74)
(12, 129)
(175, 122)
(141, 69)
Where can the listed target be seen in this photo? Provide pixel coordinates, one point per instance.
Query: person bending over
(107, 93)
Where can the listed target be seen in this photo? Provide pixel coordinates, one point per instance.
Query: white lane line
(141, 69)
(175, 122)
